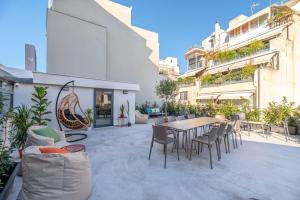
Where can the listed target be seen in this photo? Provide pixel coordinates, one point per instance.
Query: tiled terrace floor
(259, 169)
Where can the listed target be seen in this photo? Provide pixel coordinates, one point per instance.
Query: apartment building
(169, 67)
(256, 58)
(95, 39)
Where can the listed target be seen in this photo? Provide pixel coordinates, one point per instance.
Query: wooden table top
(188, 124)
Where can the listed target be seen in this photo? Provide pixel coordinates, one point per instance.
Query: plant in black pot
(128, 113)
(21, 121)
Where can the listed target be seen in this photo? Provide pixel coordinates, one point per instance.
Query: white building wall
(95, 39)
(23, 94)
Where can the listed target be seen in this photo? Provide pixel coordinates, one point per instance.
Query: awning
(226, 96)
(211, 96)
(234, 96)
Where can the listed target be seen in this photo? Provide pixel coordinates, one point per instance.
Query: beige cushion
(140, 118)
(55, 176)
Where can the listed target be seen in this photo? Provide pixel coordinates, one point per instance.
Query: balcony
(231, 90)
(228, 82)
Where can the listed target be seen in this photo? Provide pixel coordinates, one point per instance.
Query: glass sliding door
(103, 108)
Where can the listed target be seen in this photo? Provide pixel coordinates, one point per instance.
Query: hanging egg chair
(69, 112)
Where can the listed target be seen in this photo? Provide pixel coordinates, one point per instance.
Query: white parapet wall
(84, 88)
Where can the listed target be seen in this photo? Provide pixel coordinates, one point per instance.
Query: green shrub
(277, 113)
(248, 71)
(228, 109)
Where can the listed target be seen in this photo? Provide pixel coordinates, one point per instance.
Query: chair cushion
(69, 116)
(47, 132)
(148, 110)
(52, 150)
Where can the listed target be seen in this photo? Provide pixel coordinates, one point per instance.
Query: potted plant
(128, 114)
(122, 109)
(8, 169)
(275, 114)
(39, 108)
(89, 114)
(21, 121)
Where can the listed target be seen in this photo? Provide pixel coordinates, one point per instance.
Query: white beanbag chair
(55, 176)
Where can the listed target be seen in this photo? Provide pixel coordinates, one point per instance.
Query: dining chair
(181, 117)
(161, 136)
(221, 134)
(286, 129)
(210, 139)
(171, 118)
(191, 116)
(159, 120)
(237, 128)
(229, 132)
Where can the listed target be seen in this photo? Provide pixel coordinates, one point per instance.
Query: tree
(41, 103)
(167, 90)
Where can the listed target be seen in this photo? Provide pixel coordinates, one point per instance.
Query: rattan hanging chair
(67, 112)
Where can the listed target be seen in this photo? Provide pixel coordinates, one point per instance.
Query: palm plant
(41, 103)
(21, 121)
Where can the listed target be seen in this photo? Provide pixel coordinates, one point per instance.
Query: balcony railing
(265, 49)
(228, 82)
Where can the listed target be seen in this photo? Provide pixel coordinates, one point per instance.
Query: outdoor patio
(259, 169)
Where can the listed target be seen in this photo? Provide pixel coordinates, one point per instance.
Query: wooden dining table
(189, 124)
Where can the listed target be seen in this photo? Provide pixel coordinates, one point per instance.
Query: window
(245, 28)
(192, 63)
(263, 20)
(237, 31)
(199, 61)
(183, 95)
(231, 34)
(254, 23)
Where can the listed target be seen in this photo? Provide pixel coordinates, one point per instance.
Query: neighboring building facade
(276, 63)
(96, 39)
(169, 67)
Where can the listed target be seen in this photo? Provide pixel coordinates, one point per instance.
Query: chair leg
(232, 137)
(198, 148)
(165, 150)
(228, 145)
(191, 149)
(150, 149)
(225, 143)
(217, 148)
(177, 146)
(209, 147)
(241, 138)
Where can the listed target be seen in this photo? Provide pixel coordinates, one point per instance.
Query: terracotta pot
(122, 115)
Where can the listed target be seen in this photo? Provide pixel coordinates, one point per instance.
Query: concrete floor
(259, 169)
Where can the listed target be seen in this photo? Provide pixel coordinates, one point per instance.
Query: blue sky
(180, 24)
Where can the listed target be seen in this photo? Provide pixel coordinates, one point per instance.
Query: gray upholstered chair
(210, 139)
(160, 136)
(181, 117)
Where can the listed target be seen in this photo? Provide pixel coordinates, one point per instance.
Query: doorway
(103, 107)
